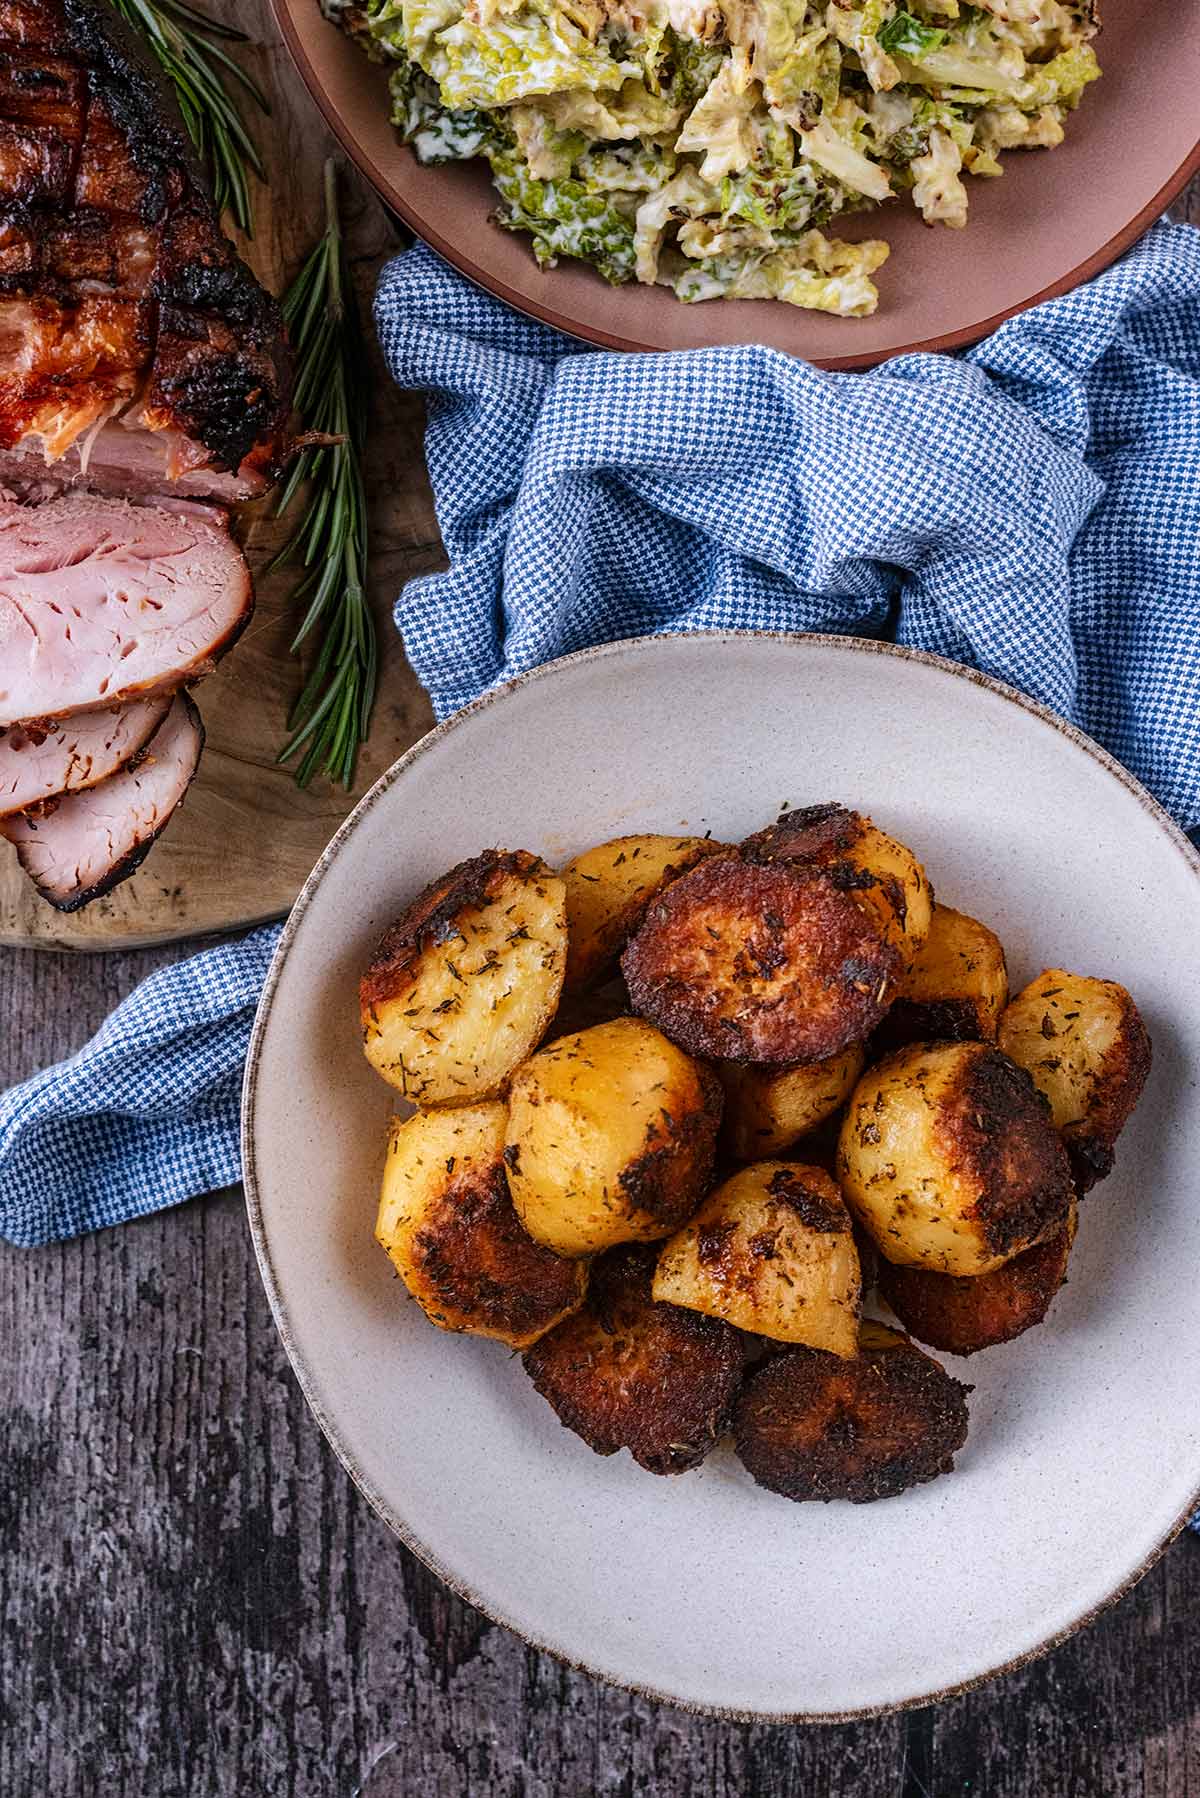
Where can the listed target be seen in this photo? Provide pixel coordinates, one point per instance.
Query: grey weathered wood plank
(196, 1603)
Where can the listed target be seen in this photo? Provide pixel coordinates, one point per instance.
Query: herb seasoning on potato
(749, 961)
(949, 1160)
(1085, 1046)
(610, 1137)
(628, 1372)
(448, 1224)
(768, 1109)
(884, 878)
(962, 1316)
(608, 890)
(955, 989)
(813, 1426)
(463, 985)
(772, 1251)
(556, 1190)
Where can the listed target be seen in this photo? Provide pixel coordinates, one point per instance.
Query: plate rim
(459, 258)
(279, 1310)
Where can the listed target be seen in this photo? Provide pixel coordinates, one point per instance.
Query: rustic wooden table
(196, 1603)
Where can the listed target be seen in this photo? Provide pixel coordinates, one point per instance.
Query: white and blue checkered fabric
(1032, 508)
(147, 1113)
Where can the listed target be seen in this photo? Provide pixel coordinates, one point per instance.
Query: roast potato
(884, 877)
(955, 989)
(463, 985)
(626, 1372)
(608, 890)
(760, 961)
(767, 1109)
(1085, 1045)
(448, 1224)
(610, 1137)
(772, 1251)
(961, 1315)
(948, 1158)
(809, 1425)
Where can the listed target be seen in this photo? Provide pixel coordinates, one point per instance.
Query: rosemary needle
(331, 717)
(187, 44)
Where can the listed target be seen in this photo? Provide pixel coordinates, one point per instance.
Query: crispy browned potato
(462, 986)
(949, 1159)
(962, 1316)
(611, 1134)
(811, 1425)
(884, 877)
(767, 1109)
(955, 990)
(626, 1372)
(1086, 1047)
(772, 1251)
(608, 890)
(448, 1224)
(760, 962)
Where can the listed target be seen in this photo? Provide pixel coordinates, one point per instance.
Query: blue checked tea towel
(1031, 508)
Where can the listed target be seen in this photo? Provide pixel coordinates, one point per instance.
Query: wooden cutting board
(243, 843)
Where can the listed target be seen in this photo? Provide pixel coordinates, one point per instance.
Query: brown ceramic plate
(1054, 220)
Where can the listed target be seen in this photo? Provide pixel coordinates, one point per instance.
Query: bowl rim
(250, 1179)
(461, 259)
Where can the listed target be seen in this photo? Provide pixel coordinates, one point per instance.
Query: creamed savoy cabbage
(709, 145)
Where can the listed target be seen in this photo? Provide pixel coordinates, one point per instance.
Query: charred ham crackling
(124, 312)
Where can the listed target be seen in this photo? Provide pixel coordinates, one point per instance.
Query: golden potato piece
(813, 1426)
(760, 962)
(884, 877)
(949, 1159)
(1086, 1047)
(771, 1251)
(767, 1109)
(448, 1224)
(955, 990)
(461, 988)
(626, 1372)
(608, 890)
(962, 1316)
(610, 1137)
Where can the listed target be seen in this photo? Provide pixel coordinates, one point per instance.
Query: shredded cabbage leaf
(707, 145)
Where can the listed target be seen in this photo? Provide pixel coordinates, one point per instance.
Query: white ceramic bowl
(1084, 1453)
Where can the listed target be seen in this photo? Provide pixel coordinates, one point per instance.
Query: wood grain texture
(246, 838)
(196, 1603)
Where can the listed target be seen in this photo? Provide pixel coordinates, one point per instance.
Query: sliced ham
(39, 763)
(144, 375)
(102, 601)
(82, 846)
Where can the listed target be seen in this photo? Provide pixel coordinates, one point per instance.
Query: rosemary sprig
(332, 715)
(188, 44)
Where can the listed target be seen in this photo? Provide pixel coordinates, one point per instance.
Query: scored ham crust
(122, 306)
